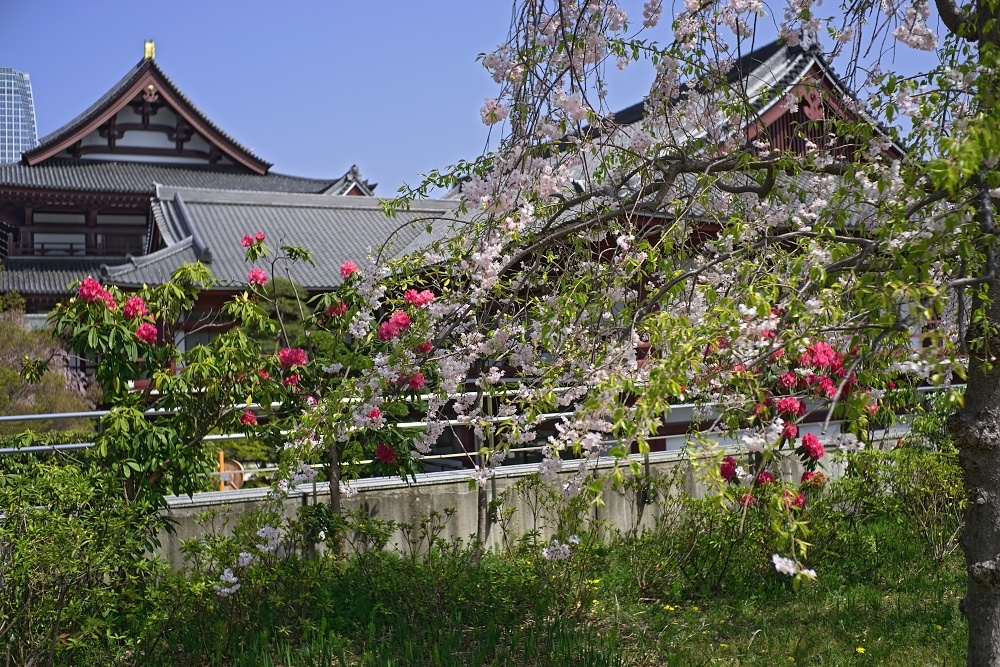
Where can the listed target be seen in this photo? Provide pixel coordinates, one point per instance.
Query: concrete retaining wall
(408, 501)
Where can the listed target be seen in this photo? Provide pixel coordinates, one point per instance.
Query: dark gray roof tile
(138, 177)
(334, 229)
(49, 275)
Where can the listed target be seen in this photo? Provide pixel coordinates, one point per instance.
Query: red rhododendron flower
(416, 382)
(291, 381)
(728, 469)
(385, 454)
(256, 277)
(400, 319)
(246, 241)
(264, 375)
(791, 406)
(813, 478)
(292, 356)
(794, 499)
(747, 499)
(425, 347)
(146, 332)
(387, 331)
(249, 418)
(135, 307)
(416, 298)
(812, 447)
(337, 309)
(348, 269)
(790, 431)
(765, 477)
(374, 414)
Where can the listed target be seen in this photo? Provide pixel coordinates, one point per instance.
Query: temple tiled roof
(141, 177)
(208, 225)
(45, 275)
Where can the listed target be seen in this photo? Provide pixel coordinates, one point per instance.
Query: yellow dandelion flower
(860, 650)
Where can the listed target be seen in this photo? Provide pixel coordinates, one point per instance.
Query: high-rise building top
(18, 132)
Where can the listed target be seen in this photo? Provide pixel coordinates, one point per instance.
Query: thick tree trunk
(978, 434)
(976, 431)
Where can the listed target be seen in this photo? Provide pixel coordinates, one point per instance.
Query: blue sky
(312, 86)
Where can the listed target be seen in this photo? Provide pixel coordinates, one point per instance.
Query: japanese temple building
(82, 198)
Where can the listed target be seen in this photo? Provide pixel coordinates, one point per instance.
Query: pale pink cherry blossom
(493, 112)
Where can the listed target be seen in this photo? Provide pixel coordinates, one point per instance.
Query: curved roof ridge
(120, 95)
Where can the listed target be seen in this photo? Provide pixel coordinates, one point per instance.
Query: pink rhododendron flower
(790, 431)
(292, 356)
(765, 477)
(416, 298)
(385, 454)
(820, 355)
(249, 418)
(728, 469)
(789, 380)
(135, 307)
(812, 447)
(425, 347)
(826, 386)
(348, 269)
(257, 277)
(791, 406)
(246, 241)
(400, 319)
(416, 382)
(387, 331)
(291, 381)
(146, 332)
(264, 375)
(794, 499)
(747, 499)
(90, 290)
(259, 237)
(374, 414)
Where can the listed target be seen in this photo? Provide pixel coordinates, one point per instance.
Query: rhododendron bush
(598, 274)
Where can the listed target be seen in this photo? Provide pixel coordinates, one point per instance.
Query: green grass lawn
(879, 600)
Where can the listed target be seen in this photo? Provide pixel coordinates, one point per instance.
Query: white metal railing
(225, 437)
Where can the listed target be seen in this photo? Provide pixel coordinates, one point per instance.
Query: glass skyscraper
(17, 115)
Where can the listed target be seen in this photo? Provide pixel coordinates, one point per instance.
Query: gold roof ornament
(149, 50)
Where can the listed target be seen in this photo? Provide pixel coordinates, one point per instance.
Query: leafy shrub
(75, 574)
